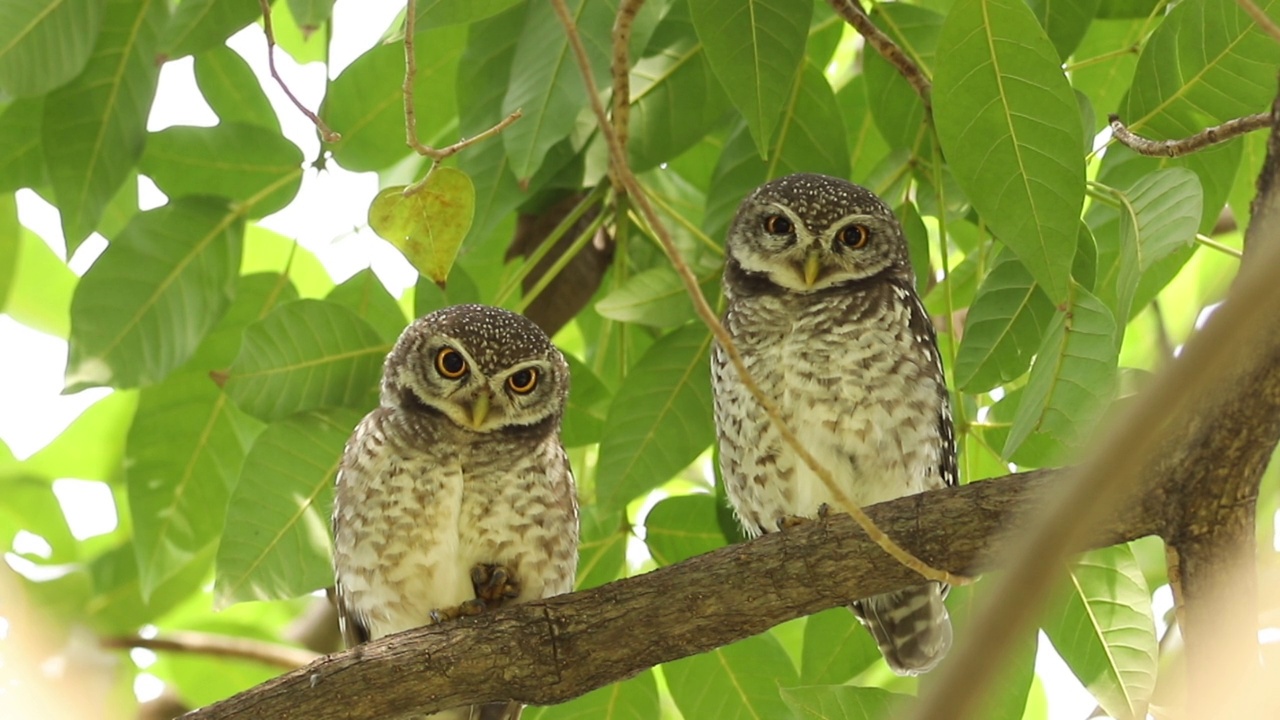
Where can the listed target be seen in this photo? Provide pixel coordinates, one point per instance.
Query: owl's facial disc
(806, 259)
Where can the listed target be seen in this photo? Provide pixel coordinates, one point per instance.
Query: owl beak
(480, 410)
(812, 266)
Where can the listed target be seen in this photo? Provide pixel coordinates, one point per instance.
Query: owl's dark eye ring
(778, 225)
(523, 381)
(853, 236)
(450, 363)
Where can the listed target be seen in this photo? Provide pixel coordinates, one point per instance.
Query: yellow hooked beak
(812, 265)
(480, 410)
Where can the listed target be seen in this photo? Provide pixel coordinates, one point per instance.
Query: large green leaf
(1010, 128)
(734, 682)
(588, 404)
(1065, 23)
(95, 126)
(199, 25)
(1071, 382)
(836, 648)
(122, 603)
(21, 157)
(310, 14)
(366, 101)
(305, 355)
(602, 546)
(755, 48)
(276, 544)
(437, 13)
(10, 245)
(546, 82)
(632, 699)
(253, 166)
(366, 296)
(44, 44)
(182, 458)
(146, 304)
(651, 297)
(1003, 328)
(842, 702)
(1102, 625)
(660, 419)
(232, 90)
(681, 527)
(40, 296)
(29, 505)
(892, 102)
(810, 139)
(92, 446)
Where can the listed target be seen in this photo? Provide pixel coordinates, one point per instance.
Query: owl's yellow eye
(778, 225)
(450, 363)
(853, 236)
(523, 381)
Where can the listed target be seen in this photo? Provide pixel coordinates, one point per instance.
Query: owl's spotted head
(482, 367)
(805, 233)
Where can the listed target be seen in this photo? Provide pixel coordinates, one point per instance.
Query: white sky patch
(88, 506)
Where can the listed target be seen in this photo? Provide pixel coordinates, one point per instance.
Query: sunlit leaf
(1101, 624)
(842, 702)
(95, 126)
(1003, 329)
(232, 90)
(40, 296)
(199, 25)
(1065, 23)
(602, 546)
(436, 13)
(632, 699)
(366, 296)
(276, 543)
(588, 403)
(1004, 109)
(660, 419)
(310, 14)
(429, 225)
(45, 44)
(681, 527)
(147, 303)
(21, 157)
(735, 682)
(652, 297)
(306, 355)
(836, 648)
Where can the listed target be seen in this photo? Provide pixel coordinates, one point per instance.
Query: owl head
(805, 233)
(482, 367)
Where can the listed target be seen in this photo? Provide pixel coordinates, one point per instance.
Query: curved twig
(1177, 148)
(855, 15)
(281, 656)
(326, 133)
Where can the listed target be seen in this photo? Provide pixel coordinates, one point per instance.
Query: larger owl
(455, 494)
(823, 308)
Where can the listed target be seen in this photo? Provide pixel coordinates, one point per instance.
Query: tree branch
(855, 15)
(550, 651)
(197, 643)
(1176, 148)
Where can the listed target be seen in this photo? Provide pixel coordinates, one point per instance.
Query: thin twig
(1224, 249)
(708, 316)
(197, 643)
(1260, 17)
(1176, 148)
(411, 115)
(621, 70)
(326, 134)
(855, 15)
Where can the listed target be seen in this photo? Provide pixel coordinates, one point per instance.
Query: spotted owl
(821, 303)
(455, 494)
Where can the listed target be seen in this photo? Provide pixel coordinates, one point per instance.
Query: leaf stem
(326, 134)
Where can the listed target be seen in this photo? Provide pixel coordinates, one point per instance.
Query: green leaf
(428, 226)
(95, 126)
(1004, 109)
(21, 157)
(546, 82)
(1102, 625)
(305, 355)
(268, 251)
(120, 603)
(653, 297)
(1003, 329)
(1071, 382)
(310, 14)
(366, 296)
(811, 138)
(366, 101)
(200, 25)
(182, 458)
(836, 648)
(755, 48)
(1065, 23)
(632, 699)
(40, 296)
(304, 46)
(588, 403)
(10, 246)
(148, 301)
(893, 103)
(660, 419)
(602, 546)
(438, 13)
(29, 505)
(681, 527)
(255, 167)
(92, 446)
(429, 297)
(675, 100)
(44, 44)
(232, 90)
(734, 682)
(843, 702)
(276, 544)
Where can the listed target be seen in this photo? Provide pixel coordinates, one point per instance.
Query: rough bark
(552, 651)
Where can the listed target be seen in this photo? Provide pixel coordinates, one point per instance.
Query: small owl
(823, 308)
(455, 494)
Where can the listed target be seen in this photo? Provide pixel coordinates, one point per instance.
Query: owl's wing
(352, 621)
(926, 338)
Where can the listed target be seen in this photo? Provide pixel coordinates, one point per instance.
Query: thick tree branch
(855, 15)
(551, 651)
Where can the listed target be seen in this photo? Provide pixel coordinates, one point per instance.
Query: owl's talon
(468, 608)
(786, 522)
(824, 511)
(494, 584)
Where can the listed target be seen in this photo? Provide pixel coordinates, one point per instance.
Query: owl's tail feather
(911, 626)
